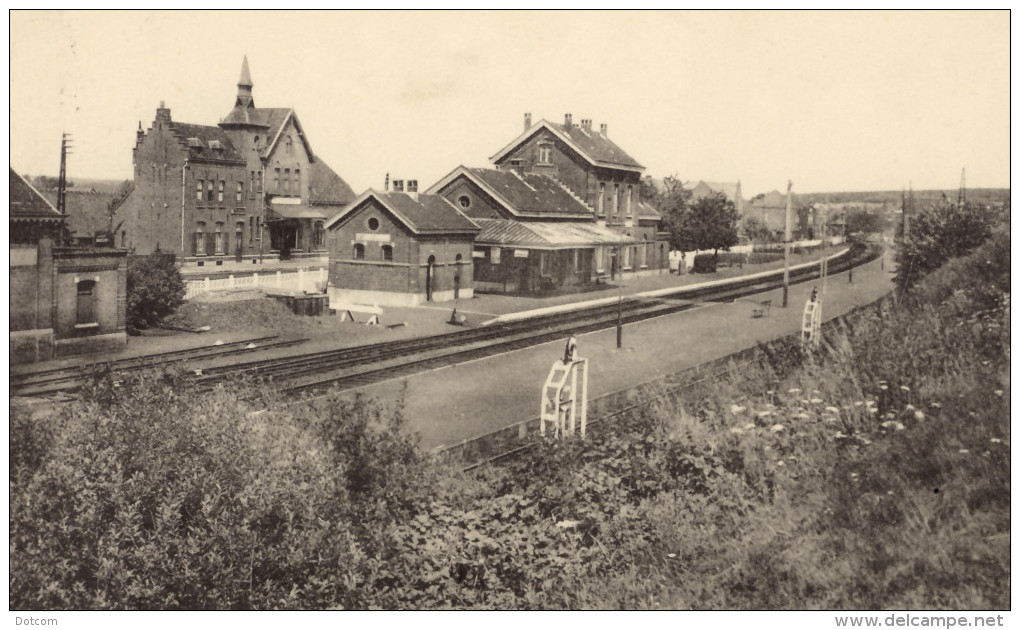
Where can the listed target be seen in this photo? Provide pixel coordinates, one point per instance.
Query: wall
(108, 268)
(31, 302)
(481, 205)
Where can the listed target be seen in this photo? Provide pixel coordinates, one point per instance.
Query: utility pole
(65, 145)
(963, 189)
(787, 240)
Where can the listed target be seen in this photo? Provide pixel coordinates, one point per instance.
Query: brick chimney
(604, 130)
(586, 124)
(163, 113)
(140, 133)
(412, 189)
(527, 121)
(386, 184)
(398, 185)
(568, 121)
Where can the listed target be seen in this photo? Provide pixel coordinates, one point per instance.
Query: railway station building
(397, 248)
(63, 300)
(247, 189)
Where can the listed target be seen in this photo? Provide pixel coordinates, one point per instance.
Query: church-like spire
(244, 85)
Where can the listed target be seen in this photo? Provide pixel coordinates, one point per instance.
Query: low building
(63, 300)
(731, 190)
(399, 249)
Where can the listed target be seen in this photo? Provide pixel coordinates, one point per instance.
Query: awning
(297, 211)
(547, 234)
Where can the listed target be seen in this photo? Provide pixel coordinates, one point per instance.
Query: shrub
(155, 289)
(704, 263)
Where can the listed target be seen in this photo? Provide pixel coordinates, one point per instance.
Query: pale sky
(833, 101)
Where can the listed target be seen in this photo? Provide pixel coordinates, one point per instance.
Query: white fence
(299, 280)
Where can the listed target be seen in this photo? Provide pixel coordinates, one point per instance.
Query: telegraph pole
(788, 239)
(65, 145)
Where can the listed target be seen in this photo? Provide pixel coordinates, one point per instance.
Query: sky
(832, 101)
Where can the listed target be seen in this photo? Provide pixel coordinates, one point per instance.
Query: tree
(674, 203)
(712, 223)
(862, 221)
(155, 289)
(936, 234)
(757, 232)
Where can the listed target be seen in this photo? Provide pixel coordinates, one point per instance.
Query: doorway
(428, 278)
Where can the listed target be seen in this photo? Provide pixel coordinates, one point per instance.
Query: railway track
(353, 367)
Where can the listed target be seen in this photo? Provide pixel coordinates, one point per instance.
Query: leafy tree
(862, 221)
(936, 234)
(757, 232)
(674, 203)
(155, 289)
(712, 223)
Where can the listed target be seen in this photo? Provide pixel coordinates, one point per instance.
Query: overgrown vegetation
(155, 289)
(873, 473)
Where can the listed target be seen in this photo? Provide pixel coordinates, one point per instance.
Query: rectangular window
(223, 185)
(616, 200)
(200, 240)
(630, 194)
(297, 181)
(251, 229)
(86, 307)
(286, 181)
(209, 190)
(260, 176)
(252, 184)
(198, 191)
(602, 199)
(221, 246)
(240, 190)
(276, 180)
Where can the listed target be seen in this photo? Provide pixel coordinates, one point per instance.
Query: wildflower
(198, 372)
(795, 390)
(832, 410)
(904, 388)
(670, 555)
(736, 430)
(764, 414)
(858, 404)
(853, 475)
(918, 415)
(909, 407)
(883, 387)
(737, 408)
(985, 362)
(776, 428)
(889, 493)
(872, 410)
(568, 524)
(936, 405)
(802, 416)
(899, 426)
(815, 391)
(996, 441)
(840, 435)
(749, 426)
(780, 463)
(816, 401)
(864, 441)
(964, 450)
(998, 392)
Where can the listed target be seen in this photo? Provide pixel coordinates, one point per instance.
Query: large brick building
(399, 249)
(249, 188)
(63, 300)
(561, 208)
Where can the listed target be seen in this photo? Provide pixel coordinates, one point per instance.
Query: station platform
(455, 403)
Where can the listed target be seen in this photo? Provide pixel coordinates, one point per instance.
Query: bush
(938, 234)
(155, 289)
(704, 263)
(760, 258)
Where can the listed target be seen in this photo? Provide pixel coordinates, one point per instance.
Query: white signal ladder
(565, 398)
(811, 326)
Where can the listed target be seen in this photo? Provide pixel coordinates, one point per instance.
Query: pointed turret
(244, 86)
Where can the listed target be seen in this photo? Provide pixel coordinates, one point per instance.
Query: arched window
(297, 181)
(199, 189)
(238, 235)
(289, 146)
(286, 181)
(545, 154)
(223, 185)
(616, 200)
(318, 236)
(200, 239)
(630, 194)
(86, 306)
(602, 199)
(209, 191)
(387, 252)
(359, 251)
(240, 189)
(220, 241)
(458, 259)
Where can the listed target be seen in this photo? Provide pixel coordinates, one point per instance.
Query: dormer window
(194, 143)
(215, 144)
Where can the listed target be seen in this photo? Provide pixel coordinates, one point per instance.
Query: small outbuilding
(399, 249)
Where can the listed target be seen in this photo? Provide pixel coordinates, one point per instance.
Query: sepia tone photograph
(694, 311)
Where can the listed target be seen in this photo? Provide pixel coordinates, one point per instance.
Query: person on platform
(570, 352)
(814, 294)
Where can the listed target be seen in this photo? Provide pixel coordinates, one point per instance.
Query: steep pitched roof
(525, 195)
(594, 147)
(27, 203)
(426, 214)
(326, 188)
(206, 142)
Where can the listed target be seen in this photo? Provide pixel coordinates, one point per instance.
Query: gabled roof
(523, 195)
(200, 141)
(273, 119)
(593, 147)
(730, 189)
(326, 188)
(27, 204)
(426, 214)
(647, 211)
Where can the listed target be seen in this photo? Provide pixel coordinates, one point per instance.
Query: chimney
(139, 134)
(398, 185)
(412, 189)
(386, 184)
(604, 131)
(586, 124)
(527, 121)
(163, 113)
(568, 121)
